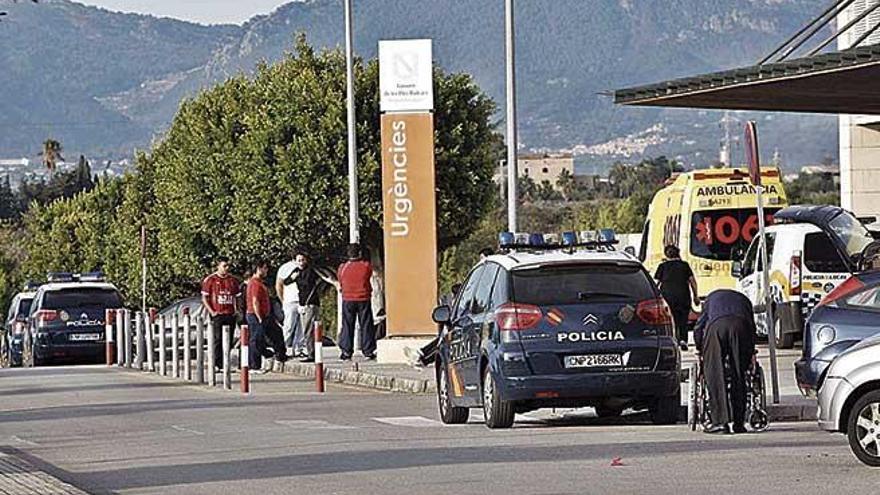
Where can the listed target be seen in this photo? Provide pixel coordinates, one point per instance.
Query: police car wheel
(449, 414)
(498, 413)
(863, 428)
(664, 411)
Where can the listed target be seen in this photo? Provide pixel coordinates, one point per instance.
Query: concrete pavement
(111, 431)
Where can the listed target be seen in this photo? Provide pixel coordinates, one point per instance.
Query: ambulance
(711, 216)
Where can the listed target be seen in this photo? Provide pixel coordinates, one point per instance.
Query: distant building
(539, 167)
(545, 167)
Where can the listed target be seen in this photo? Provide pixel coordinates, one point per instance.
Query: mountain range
(106, 83)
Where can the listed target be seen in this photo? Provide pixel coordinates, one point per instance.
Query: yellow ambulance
(711, 216)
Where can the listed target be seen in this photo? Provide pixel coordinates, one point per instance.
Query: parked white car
(849, 399)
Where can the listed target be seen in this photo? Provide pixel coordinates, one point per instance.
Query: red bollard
(319, 357)
(245, 374)
(109, 341)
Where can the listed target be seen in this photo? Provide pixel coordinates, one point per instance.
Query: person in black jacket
(310, 283)
(679, 289)
(726, 331)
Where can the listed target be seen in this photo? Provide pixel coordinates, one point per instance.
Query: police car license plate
(593, 361)
(84, 337)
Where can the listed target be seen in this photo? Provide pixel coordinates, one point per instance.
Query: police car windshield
(577, 284)
(851, 232)
(719, 234)
(82, 298)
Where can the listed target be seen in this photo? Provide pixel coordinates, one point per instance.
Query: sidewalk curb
(363, 379)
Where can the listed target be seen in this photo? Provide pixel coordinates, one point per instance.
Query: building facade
(860, 134)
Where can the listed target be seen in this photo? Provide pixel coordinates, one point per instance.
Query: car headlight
(826, 334)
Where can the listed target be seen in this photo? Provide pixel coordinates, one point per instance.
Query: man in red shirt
(220, 291)
(354, 281)
(258, 311)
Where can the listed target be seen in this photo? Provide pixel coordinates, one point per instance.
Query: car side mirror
(442, 315)
(736, 269)
(630, 250)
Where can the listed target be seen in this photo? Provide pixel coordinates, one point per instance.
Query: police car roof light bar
(91, 277)
(604, 239)
(59, 277)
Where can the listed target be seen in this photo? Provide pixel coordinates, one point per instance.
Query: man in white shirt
(287, 291)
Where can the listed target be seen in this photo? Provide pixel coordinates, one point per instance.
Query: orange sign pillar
(410, 223)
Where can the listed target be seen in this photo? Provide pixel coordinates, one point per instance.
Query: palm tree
(51, 154)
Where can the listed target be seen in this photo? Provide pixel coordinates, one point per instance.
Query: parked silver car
(849, 399)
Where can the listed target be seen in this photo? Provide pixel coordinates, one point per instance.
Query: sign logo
(406, 76)
(84, 316)
(590, 319)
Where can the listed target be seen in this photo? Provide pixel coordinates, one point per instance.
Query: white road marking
(316, 424)
(187, 430)
(410, 422)
(17, 439)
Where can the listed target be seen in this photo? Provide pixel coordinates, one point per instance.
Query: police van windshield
(579, 284)
(722, 234)
(82, 298)
(853, 234)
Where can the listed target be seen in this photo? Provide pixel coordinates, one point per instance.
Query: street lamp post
(511, 115)
(353, 214)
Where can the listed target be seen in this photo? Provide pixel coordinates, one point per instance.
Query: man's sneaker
(737, 428)
(370, 357)
(718, 430)
(307, 359)
(413, 356)
(345, 357)
(259, 372)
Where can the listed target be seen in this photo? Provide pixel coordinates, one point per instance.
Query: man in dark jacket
(726, 330)
(309, 283)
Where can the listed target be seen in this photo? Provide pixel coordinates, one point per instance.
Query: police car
(14, 326)
(66, 319)
(557, 324)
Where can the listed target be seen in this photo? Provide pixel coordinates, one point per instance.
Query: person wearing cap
(354, 282)
(679, 288)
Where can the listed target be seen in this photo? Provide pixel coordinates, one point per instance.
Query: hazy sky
(203, 11)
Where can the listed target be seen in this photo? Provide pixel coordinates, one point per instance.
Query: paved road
(108, 431)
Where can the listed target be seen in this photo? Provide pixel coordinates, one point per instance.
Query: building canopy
(839, 82)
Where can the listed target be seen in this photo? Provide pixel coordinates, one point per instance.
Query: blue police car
(568, 324)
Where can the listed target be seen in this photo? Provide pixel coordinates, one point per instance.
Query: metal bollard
(175, 346)
(149, 324)
(319, 356)
(227, 372)
(187, 347)
(212, 362)
(245, 360)
(200, 350)
(140, 355)
(110, 336)
(128, 338)
(163, 369)
(120, 338)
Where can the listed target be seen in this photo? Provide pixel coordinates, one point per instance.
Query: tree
(10, 208)
(51, 154)
(254, 167)
(565, 183)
